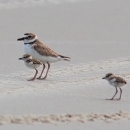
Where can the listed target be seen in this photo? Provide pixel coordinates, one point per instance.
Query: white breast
(113, 80)
(31, 65)
(112, 83)
(27, 49)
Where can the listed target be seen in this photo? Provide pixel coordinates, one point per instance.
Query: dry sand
(95, 34)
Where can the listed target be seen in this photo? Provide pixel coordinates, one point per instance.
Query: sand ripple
(64, 118)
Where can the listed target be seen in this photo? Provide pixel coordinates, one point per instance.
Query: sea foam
(8, 4)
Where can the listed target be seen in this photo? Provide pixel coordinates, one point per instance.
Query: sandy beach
(95, 34)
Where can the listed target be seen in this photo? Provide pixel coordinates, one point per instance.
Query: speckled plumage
(115, 81)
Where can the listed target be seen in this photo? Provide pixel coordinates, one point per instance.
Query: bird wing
(120, 80)
(33, 61)
(36, 62)
(44, 50)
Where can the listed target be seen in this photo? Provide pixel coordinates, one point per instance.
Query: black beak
(103, 78)
(20, 39)
(20, 58)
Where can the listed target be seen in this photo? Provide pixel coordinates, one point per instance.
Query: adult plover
(31, 63)
(116, 82)
(40, 51)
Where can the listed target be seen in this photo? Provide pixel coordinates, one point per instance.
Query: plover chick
(31, 63)
(40, 51)
(115, 81)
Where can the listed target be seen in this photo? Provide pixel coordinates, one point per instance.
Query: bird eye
(29, 36)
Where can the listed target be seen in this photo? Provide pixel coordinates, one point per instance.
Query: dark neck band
(30, 42)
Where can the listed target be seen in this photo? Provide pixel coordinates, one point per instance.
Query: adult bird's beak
(20, 39)
(103, 78)
(20, 58)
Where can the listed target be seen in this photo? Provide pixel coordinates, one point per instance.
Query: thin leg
(47, 71)
(41, 72)
(114, 95)
(32, 79)
(120, 93)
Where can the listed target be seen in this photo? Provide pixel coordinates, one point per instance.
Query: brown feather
(34, 61)
(120, 80)
(42, 49)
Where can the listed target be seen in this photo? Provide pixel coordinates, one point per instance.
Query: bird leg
(46, 72)
(114, 95)
(32, 79)
(120, 94)
(42, 71)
